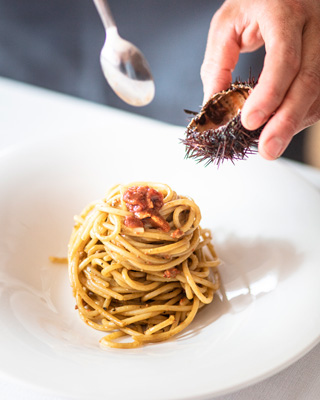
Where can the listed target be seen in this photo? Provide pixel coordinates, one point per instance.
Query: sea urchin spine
(216, 134)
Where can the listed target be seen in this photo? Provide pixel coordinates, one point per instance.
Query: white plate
(266, 225)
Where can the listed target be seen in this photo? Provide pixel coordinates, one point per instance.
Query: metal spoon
(123, 64)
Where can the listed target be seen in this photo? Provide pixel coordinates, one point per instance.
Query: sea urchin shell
(216, 134)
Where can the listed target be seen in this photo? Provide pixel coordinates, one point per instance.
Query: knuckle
(211, 69)
(221, 18)
(289, 54)
(316, 116)
(273, 95)
(296, 10)
(216, 21)
(310, 78)
(292, 57)
(205, 70)
(220, 15)
(289, 123)
(314, 113)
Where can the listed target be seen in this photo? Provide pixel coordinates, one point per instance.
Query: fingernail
(255, 119)
(275, 147)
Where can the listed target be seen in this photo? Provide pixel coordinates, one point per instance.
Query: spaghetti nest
(140, 265)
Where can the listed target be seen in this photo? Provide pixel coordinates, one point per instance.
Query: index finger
(221, 56)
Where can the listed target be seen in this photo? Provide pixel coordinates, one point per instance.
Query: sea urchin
(215, 133)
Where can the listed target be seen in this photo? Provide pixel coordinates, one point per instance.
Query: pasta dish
(140, 265)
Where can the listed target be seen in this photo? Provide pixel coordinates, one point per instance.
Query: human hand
(288, 90)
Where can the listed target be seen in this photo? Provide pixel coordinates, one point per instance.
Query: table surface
(25, 112)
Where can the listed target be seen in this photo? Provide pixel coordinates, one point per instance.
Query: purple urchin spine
(230, 141)
(215, 146)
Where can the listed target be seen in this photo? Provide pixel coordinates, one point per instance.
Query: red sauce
(133, 222)
(142, 198)
(171, 273)
(177, 234)
(144, 202)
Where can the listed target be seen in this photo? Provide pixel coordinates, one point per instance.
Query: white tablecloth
(27, 111)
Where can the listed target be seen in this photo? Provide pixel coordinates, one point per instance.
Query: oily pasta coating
(140, 265)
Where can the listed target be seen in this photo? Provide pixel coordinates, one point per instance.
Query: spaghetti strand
(140, 265)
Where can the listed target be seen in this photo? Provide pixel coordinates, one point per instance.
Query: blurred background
(55, 44)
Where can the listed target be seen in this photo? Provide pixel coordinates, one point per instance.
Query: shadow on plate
(250, 269)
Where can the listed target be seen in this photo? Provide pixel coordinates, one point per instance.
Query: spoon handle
(105, 13)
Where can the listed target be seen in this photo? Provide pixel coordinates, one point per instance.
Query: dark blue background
(56, 44)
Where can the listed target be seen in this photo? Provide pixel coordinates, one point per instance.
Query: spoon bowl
(126, 70)
(124, 66)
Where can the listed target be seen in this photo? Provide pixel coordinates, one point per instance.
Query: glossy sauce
(144, 203)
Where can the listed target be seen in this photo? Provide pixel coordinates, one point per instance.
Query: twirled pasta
(144, 283)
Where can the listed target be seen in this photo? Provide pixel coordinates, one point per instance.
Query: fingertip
(244, 119)
(206, 97)
(253, 119)
(213, 84)
(272, 148)
(214, 78)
